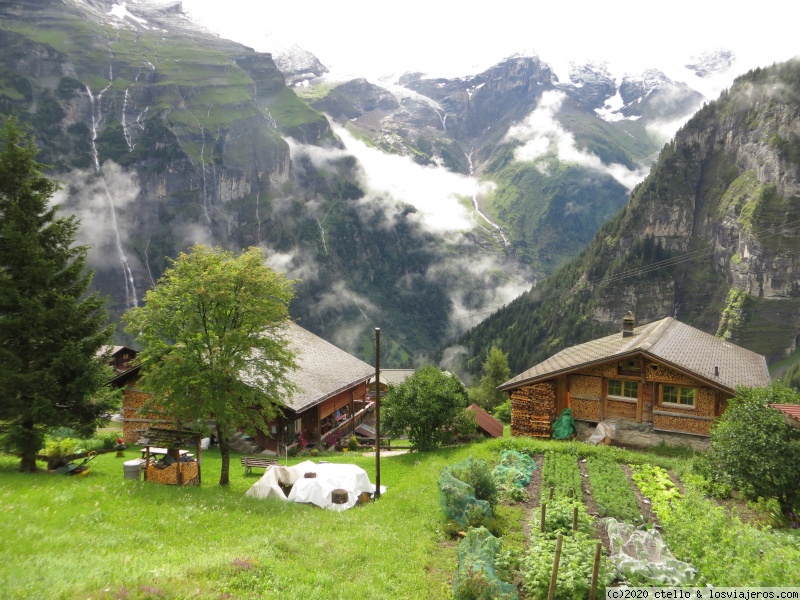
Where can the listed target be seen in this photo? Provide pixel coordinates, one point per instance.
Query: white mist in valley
(477, 280)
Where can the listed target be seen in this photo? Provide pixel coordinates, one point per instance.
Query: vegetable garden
(671, 535)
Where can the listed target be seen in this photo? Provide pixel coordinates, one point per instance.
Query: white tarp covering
(603, 434)
(314, 490)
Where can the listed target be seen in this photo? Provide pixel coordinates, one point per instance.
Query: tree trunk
(225, 452)
(28, 441)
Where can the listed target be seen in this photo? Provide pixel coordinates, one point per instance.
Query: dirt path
(534, 490)
(645, 509)
(591, 506)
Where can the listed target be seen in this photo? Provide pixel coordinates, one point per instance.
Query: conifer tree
(51, 327)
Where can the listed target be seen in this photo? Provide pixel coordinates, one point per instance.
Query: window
(676, 394)
(623, 389)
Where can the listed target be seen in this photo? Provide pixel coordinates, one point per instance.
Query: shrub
(503, 412)
(477, 474)
(756, 451)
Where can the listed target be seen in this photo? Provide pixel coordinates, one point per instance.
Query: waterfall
(125, 131)
(506, 243)
(127, 274)
(258, 217)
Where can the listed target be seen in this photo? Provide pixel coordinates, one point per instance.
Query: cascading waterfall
(271, 120)
(506, 243)
(97, 119)
(442, 118)
(125, 132)
(258, 217)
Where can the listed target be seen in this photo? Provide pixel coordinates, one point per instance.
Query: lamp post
(377, 412)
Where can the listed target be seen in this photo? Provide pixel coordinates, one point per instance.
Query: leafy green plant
(558, 518)
(575, 568)
(611, 489)
(55, 449)
(655, 483)
(503, 412)
(560, 470)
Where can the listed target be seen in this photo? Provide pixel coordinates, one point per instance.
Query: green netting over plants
(476, 473)
(476, 578)
(514, 468)
(459, 502)
(642, 557)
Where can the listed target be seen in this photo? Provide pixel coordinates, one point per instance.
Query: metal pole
(377, 412)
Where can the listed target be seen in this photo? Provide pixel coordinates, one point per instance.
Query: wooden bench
(248, 462)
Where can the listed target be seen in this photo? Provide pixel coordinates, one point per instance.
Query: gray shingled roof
(667, 341)
(323, 369)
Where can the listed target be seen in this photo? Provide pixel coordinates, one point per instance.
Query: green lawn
(101, 536)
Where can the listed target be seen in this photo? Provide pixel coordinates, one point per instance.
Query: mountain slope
(710, 237)
(165, 135)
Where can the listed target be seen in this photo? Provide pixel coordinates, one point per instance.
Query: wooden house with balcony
(665, 377)
(331, 401)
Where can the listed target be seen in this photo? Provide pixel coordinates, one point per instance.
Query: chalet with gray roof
(331, 400)
(665, 376)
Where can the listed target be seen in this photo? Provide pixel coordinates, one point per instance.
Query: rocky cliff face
(187, 116)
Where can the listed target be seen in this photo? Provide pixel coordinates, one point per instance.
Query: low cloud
(542, 137)
(391, 181)
(102, 203)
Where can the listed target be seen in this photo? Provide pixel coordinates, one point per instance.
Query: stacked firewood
(533, 409)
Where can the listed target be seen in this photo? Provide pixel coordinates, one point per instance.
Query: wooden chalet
(665, 376)
(332, 400)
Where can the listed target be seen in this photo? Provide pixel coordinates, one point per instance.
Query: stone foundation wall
(642, 435)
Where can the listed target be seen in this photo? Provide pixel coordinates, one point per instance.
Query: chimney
(628, 323)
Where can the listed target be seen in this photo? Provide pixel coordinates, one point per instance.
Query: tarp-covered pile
(316, 489)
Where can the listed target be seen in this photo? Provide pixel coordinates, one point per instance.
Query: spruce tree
(51, 327)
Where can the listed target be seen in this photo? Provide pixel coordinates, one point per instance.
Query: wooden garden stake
(551, 594)
(575, 518)
(552, 491)
(544, 511)
(595, 571)
(571, 492)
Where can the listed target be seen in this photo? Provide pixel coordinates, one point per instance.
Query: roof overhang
(622, 356)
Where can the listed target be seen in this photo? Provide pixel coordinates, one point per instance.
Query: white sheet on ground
(314, 490)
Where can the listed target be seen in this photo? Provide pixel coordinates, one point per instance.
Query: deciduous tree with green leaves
(756, 451)
(52, 330)
(214, 345)
(429, 406)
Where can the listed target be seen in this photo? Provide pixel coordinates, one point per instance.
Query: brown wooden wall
(533, 407)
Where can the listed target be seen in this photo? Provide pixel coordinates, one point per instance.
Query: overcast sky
(457, 38)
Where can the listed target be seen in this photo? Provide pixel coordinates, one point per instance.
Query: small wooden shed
(184, 468)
